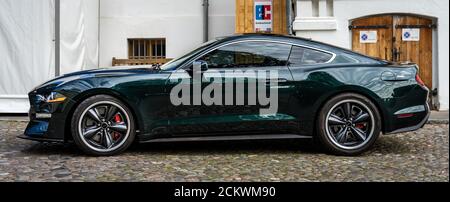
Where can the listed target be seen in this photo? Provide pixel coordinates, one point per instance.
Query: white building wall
(334, 29)
(179, 21)
(222, 16)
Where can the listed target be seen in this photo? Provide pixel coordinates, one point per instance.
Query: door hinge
(429, 26)
(368, 27)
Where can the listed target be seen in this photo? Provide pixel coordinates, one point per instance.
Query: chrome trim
(262, 40)
(43, 116)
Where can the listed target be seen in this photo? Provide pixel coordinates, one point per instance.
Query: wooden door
(382, 47)
(392, 45)
(245, 16)
(418, 51)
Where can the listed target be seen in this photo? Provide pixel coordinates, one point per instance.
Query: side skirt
(231, 137)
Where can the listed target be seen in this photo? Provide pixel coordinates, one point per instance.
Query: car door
(303, 63)
(242, 72)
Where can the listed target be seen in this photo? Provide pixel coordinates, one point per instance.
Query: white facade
(94, 31)
(179, 21)
(328, 21)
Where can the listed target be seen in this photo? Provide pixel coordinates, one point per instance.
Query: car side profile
(343, 99)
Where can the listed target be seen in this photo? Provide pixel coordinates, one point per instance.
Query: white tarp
(79, 35)
(27, 47)
(26, 50)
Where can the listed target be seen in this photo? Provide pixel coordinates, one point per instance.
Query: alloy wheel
(104, 126)
(350, 124)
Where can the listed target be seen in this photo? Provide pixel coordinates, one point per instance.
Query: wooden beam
(245, 16)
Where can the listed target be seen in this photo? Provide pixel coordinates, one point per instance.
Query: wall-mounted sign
(411, 34)
(263, 16)
(368, 36)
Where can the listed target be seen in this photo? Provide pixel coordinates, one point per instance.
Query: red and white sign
(263, 15)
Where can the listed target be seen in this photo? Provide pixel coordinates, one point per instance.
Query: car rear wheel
(348, 124)
(103, 126)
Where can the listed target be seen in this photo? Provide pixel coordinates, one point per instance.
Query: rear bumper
(415, 127)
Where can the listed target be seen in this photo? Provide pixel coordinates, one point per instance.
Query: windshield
(172, 65)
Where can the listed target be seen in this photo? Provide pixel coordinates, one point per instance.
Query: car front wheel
(348, 124)
(103, 126)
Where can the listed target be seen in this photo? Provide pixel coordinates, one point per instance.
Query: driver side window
(248, 54)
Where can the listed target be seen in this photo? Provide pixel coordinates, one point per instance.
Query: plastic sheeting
(26, 50)
(27, 47)
(79, 35)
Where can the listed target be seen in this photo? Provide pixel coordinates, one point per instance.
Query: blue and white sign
(409, 34)
(368, 36)
(263, 15)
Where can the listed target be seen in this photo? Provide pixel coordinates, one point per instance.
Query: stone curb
(443, 121)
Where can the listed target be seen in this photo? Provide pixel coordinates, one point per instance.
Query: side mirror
(200, 65)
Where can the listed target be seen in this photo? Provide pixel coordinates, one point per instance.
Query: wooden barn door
(397, 38)
(380, 45)
(420, 50)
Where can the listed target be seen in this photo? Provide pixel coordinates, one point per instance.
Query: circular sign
(364, 37)
(407, 35)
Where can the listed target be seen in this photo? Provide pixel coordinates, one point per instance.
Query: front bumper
(47, 120)
(37, 139)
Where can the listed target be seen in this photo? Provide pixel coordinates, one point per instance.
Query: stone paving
(416, 156)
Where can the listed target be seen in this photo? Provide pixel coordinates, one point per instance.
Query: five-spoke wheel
(349, 124)
(104, 126)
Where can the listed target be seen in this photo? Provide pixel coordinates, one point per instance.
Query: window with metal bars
(147, 48)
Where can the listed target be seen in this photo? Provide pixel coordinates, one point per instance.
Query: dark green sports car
(235, 88)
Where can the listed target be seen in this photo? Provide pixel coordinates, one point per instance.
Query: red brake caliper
(116, 135)
(360, 125)
(117, 118)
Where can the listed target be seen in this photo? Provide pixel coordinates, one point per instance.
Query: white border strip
(13, 96)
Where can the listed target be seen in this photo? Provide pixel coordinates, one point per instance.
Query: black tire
(78, 119)
(325, 125)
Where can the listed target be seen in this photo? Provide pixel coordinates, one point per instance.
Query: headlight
(55, 98)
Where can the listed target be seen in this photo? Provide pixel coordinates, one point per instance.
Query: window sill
(315, 23)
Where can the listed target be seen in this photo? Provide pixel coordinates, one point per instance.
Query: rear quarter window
(301, 56)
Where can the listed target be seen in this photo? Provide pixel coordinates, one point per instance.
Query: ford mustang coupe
(342, 99)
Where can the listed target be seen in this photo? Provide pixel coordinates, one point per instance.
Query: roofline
(292, 37)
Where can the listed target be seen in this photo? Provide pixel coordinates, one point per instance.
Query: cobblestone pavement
(416, 156)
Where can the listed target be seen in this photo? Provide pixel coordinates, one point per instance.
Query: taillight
(403, 116)
(419, 80)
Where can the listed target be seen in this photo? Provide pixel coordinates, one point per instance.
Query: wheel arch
(94, 92)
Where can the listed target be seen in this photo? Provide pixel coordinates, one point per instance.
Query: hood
(117, 71)
(109, 72)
